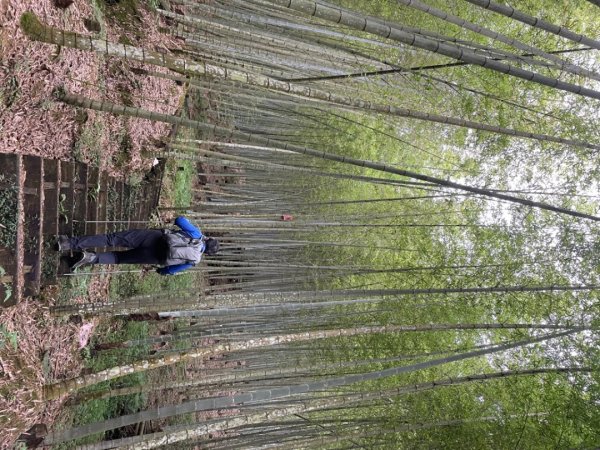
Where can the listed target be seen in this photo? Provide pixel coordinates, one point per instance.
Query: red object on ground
(287, 217)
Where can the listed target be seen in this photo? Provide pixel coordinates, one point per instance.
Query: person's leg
(127, 239)
(151, 250)
(141, 255)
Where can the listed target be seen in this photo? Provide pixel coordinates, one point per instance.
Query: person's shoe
(86, 258)
(63, 244)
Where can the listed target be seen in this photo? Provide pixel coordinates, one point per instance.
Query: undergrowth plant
(8, 338)
(8, 206)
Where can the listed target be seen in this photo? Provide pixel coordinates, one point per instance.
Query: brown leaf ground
(31, 122)
(35, 348)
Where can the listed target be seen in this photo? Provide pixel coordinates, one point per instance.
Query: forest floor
(32, 122)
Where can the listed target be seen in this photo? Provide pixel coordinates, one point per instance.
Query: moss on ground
(124, 14)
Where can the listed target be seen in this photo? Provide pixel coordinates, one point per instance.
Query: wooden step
(50, 225)
(66, 198)
(8, 230)
(102, 204)
(113, 205)
(80, 198)
(51, 197)
(33, 202)
(93, 191)
(63, 197)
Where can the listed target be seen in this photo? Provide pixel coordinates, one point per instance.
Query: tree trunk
(560, 63)
(41, 32)
(76, 100)
(269, 395)
(389, 30)
(54, 391)
(509, 11)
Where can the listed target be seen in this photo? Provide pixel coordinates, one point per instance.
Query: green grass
(7, 287)
(99, 17)
(179, 192)
(178, 181)
(153, 3)
(178, 189)
(71, 287)
(10, 92)
(88, 147)
(183, 174)
(8, 338)
(130, 284)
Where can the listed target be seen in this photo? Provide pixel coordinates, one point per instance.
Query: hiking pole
(110, 272)
(117, 221)
(75, 274)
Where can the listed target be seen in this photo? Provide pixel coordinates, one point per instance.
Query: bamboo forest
(406, 196)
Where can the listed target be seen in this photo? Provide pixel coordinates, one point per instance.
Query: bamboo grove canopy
(407, 196)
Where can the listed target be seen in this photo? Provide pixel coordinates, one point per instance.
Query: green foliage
(88, 147)
(123, 156)
(10, 338)
(496, 246)
(8, 206)
(101, 409)
(153, 3)
(136, 283)
(183, 176)
(6, 286)
(72, 287)
(428, 238)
